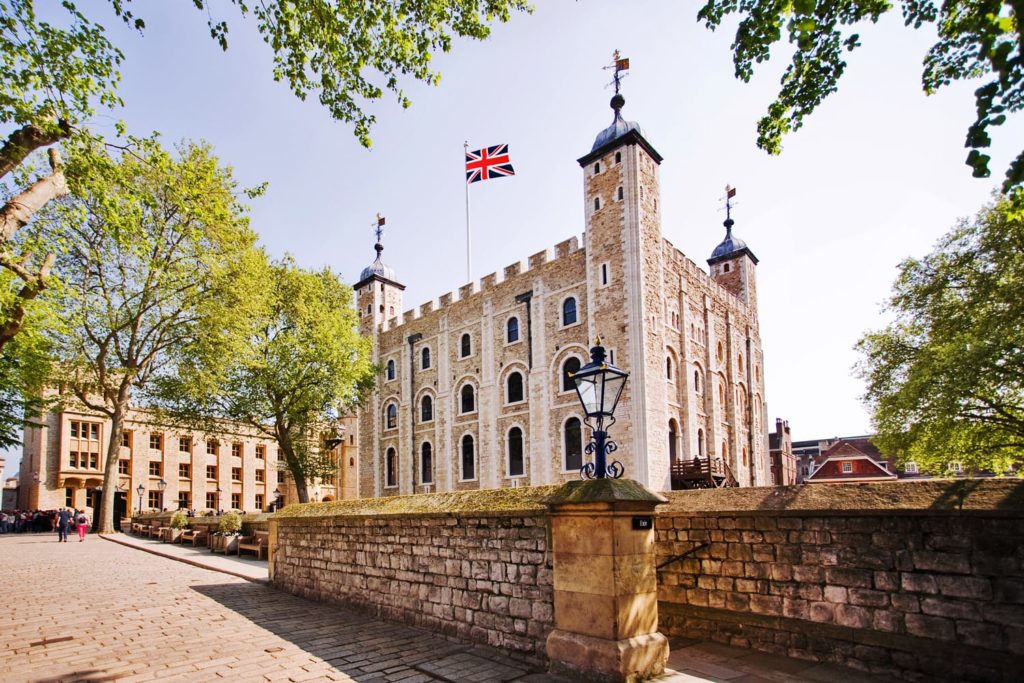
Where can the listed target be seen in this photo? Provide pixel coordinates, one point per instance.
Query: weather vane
(379, 227)
(620, 64)
(730, 192)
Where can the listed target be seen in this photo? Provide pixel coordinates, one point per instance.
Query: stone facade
(689, 340)
(477, 576)
(926, 593)
(63, 462)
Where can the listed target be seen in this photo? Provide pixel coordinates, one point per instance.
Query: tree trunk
(18, 211)
(284, 442)
(26, 140)
(106, 516)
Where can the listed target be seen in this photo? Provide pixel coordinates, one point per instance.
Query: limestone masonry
(475, 392)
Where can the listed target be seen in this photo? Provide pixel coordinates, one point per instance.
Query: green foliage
(977, 39)
(349, 52)
(945, 380)
(50, 72)
(231, 523)
(24, 366)
(179, 520)
(299, 366)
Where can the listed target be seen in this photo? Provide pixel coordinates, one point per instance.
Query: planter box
(225, 544)
(171, 535)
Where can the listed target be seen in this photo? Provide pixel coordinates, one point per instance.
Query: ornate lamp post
(140, 490)
(277, 499)
(161, 485)
(599, 386)
(219, 491)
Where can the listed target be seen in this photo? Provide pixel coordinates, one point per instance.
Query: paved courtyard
(100, 611)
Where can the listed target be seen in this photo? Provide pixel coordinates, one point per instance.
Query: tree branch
(26, 140)
(17, 212)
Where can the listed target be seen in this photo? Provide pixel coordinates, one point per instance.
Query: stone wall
(916, 580)
(435, 561)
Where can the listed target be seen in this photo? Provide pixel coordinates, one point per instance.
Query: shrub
(179, 520)
(231, 523)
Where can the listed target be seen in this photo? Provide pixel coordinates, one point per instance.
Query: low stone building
(476, 391)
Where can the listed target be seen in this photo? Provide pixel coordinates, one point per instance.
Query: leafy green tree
(976, 39)
(153, 254)
(301, 365)
(945, 380)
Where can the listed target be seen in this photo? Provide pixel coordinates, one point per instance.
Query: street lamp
(599, 386)
(277, 499)
(219, 491)
(141, 489)
(161, 485)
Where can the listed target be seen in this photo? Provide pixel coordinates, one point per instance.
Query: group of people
(67, 517)
(43, 521)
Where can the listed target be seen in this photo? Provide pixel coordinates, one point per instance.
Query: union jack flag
(487, 163)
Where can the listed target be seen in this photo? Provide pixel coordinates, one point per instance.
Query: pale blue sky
(876, 174)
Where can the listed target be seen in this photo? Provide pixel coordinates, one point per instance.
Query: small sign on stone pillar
(605, 583)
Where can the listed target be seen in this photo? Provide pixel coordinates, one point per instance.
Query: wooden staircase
(702, 473)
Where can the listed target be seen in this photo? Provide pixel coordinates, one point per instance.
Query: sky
(876, 175)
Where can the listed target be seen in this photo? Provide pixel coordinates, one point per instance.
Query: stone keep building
(475, 392)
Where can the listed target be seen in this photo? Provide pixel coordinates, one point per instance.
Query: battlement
(689, 267)
(485, 284)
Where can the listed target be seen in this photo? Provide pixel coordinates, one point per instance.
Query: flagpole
(469, 249)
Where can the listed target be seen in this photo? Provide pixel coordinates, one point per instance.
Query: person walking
(83, 525)
(63, 519)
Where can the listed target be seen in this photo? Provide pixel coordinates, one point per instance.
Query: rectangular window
(211, 447)
(236, 501)
(74, 430)
(280, 456)
(156, 468)
(94, 432)
(236, 450)
(156, 441)
(184, 500)
(280, 476)
(259, 501)
(184, 444)
(69, 498)
(124, 466)
(211, 501)
(184, 470)
(211, 471)
(847, 467)
(261, 452)
(94, 461)
(126, 439)
(260, 475)
(604, 274)
(236, 474)
(156, 500)
(73, 460)
(911, 468)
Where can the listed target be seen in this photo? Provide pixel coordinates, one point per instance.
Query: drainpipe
(413, 338)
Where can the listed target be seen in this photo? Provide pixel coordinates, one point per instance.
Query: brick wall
(914, 580)
(478, 577)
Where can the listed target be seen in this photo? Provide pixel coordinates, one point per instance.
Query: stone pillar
(271, 546)
(606, 589)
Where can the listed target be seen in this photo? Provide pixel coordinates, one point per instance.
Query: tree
(153, 252)
(53, 74)
(945, 380)
(302, 365)
(977, 39)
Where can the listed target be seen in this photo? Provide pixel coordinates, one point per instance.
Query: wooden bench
(194, 536)
(257, 543)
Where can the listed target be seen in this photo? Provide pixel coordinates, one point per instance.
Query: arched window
(391, 310)
(668, 368)
(597, 167)
(569, 311)
(745, 459)
(515, 452)
(739, 361)
(673, 439)
(391, 468)
(512, 330)
(725, 451)
(467, 403)
(721, 390)
(466, 345)
(425, 358)
(618, 157)
(426, 409)
(426, 463)
(620, 194)
(720, 353)
(569, 368)
(696, 381)
(391, 416)
(468, 458)
(514, 388)
(391, 369)
(700, 442)
(573, 444)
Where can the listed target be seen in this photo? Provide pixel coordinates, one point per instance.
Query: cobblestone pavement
(100, 611)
